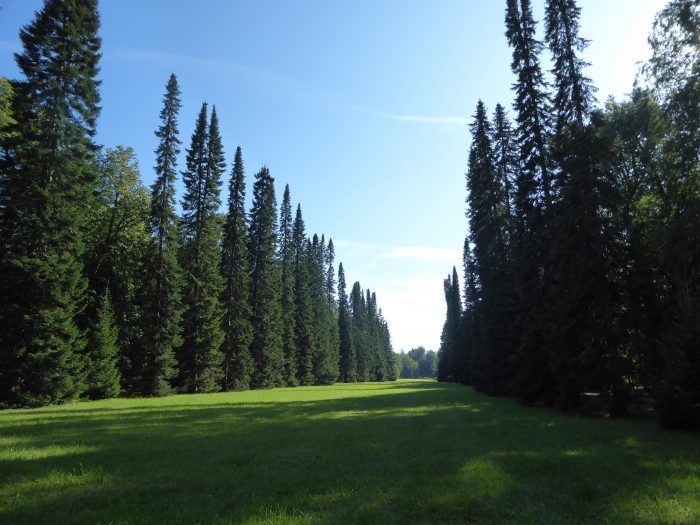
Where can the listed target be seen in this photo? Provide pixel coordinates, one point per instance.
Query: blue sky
(362, 107)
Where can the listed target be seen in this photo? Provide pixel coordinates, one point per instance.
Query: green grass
(408, 452)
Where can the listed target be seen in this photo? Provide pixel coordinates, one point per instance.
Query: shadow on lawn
(422, 452)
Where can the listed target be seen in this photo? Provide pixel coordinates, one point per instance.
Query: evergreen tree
(46, 190)
(505, 161)
(531, 106)
(389, 356)
(154, 367)
(360, 324)
(489, 222)
(265, 298)
(238, 362)
(348, 362)
(581, 340)
(533, 200)
(200, 356)
(286, 258)
(302, 302)
(325, 349)
(451, 358)
(103, 372)
(574, 91)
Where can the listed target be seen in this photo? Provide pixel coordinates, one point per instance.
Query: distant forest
(106, 289)
(581, 279)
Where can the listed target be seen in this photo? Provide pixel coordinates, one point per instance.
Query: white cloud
(419, 119)
(423, 253)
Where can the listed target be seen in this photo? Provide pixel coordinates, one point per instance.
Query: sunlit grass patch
(405, 452)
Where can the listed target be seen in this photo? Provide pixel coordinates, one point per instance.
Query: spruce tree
(360, 325)
(45, 198)
(325, 350)
(238, 362)
(265, 297)
(533, 199)
(152, 369)
(302, 302)
(505, 161)
(348, 362)
(286, 258)
(451, 358)
(200, 356)
(574, 91)
(531, 106)
(103, 353)
(489, 227)
(582, 341)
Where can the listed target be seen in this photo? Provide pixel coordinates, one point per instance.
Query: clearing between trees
(413, 451)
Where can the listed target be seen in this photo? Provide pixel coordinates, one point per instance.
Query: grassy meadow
(404, 452)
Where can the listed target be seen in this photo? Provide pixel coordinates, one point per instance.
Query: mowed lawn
(404, 452)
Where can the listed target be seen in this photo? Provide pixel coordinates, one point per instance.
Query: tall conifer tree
(265, 298)
(348, 361)
(286, 257)
(360, 324)
(534, 194)
(45, 198)
(238, 362)
(302, 301)
(488, 219)
(582, 340)
(154, 367)
(200, 354)
(325, 355)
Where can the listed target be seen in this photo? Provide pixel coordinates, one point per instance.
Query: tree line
(417, 363)
(582, 259)
(107, 290)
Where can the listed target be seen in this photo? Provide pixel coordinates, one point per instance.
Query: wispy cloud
(418, 119)
(235, 70)
(422, 253)
(232, 69)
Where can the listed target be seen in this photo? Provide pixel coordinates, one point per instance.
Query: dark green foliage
(152, 368)
(582, 264)
(46, 190)
(287, 262)
(531, 107)
(489, 223)
(674, 73)
(237, 366)
(302, 302)
(574, 91)
(533, 199)
(200, 356)
(265, 298)
(103, 352)
(360, 328)
(348, 359)
(116, 246)
(325, 350)
(452, 364)
(417, 363)
(371, 338)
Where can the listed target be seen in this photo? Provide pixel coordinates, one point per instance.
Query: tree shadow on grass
(419, 452)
